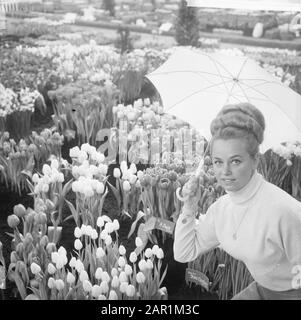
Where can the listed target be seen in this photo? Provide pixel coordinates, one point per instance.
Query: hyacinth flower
(99, 269)
(90, 174)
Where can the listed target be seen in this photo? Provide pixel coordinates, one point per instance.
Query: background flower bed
(60, 64)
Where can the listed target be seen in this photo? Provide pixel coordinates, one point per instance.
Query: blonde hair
(239, 121)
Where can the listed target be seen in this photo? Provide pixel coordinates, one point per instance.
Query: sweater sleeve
(194, 237)
(290, 233)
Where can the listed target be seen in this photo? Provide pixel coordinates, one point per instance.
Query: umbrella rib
(215, 63)
(185, 71)
(237, 82)
(192, 94)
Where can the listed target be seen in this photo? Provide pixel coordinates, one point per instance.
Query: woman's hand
(191, 193)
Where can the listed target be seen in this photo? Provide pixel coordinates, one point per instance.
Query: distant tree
(109, 5)
(187, 25)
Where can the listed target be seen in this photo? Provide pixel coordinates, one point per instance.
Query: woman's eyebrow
(235, 156)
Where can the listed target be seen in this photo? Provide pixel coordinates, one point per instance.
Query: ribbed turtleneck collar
(248, 191)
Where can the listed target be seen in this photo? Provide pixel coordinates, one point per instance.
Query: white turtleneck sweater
(268, 236)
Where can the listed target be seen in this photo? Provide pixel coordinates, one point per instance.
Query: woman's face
(232, 164)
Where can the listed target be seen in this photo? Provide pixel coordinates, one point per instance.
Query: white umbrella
(194, 86)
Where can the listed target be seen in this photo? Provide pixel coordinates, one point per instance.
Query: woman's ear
(256, 160)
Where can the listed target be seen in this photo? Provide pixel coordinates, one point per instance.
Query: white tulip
(102, 297)
(35, 178)
(77, 232)
(78, 244)
(133, 257)
(79, 266)
(104, 287)
(140, 174)
(128, 269)
(83, 276)
(89, 230)
(35, 268)
(96, 291)
(46, 169)
(113, 295)
(59, 284)
(98, 273)
(114, 272)
(121, 262)
(140, 277)
(70, 278)
(123, 286)
(126, 186)
(116, 225)
(62, 251)
(122, 250)
(54, 164)
(160, 254)
(115, 282)
(103, 234)
(148, 253)
(116, 173)
(87, 286)
(100, 253)
(73, 153)
(108, 240)
(72, 262)
(142, 265)
(138, 242)
(51, 283)
(51, 268)
(123, 277)
(155, 248)
(100, 222)
(150, 264)
(94, 234)
(130, 290)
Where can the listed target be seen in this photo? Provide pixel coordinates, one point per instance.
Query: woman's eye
(217, 163)
(236, 161)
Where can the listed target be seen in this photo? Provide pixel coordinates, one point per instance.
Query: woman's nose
(226, 169)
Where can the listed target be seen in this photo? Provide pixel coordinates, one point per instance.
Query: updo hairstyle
(239, 121)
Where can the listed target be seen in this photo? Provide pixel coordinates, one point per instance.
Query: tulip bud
(62, 251)
(51, 283)
(102, 297)
(108, 240)
(29, 218)
(116, 225)
(79, 266)
(19, 210)
(113, 295)
(13, 221)
(149, 264)
(98, 273)
(40, 218)
(19, 249)
(14, 257)
(94, 234)
(105, 276)
(44, 241)
(155, 248)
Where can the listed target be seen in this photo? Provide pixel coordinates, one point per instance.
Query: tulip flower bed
(84, 227)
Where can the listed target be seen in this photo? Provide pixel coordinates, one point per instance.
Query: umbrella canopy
(194, 86)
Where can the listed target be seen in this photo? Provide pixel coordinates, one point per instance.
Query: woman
(255, 222)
